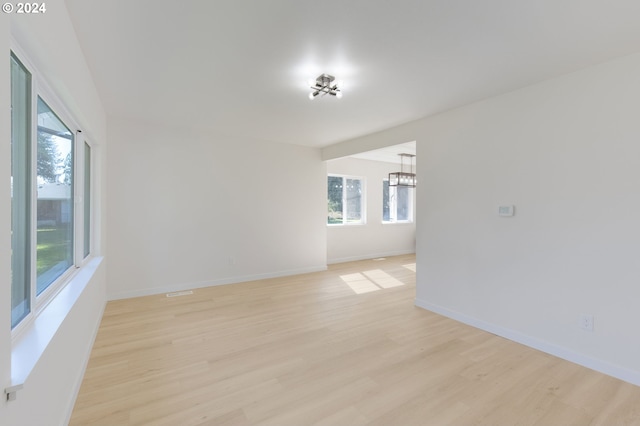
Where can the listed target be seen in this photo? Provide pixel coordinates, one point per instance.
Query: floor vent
(180, 293)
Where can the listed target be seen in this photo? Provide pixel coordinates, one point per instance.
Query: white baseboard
(369, 256)
(630, 376)
(201, 284)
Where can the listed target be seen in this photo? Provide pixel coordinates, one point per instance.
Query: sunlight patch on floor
(382, 279)
(359, 283)
(410, 266)
(368, 281)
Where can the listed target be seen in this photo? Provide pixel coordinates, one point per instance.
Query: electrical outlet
(586, 322)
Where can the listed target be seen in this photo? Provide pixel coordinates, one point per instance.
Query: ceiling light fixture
(403, 178)
(324, 86)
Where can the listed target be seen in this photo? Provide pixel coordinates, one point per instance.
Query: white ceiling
(240, 66)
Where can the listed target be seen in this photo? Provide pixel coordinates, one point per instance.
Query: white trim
(370, 256)
(212, 283)
(599, 365)
(401, 222)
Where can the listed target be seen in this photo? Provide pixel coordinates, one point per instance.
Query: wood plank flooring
(341, 347)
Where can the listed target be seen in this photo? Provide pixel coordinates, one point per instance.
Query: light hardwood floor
(341, 347)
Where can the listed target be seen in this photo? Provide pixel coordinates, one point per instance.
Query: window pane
(54, 253)
(402, 199)
(87, 199)
(385, 201)
(20, 194)
(397, 203)
(354, 200)
(334, 187)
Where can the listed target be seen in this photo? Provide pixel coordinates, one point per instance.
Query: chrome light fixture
(403, 178)
(324, 86)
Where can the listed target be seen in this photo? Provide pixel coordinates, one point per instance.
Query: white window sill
(29, 346)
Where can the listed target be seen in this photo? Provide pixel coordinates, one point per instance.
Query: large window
(50, 195)
(345, 200)
(397, 203)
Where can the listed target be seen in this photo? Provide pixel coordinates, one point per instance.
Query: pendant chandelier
(402, 178)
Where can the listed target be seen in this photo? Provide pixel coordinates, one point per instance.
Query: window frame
(41, 89)
(363, 201)
(85, 206)
(34, 225)
(21, 192)
(410, 200)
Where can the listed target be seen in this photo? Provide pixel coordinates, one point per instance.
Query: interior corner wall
(190, 208)
(50, 389)
(374, 238)
(565, 153)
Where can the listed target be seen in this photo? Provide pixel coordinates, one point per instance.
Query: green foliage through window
(344, 200)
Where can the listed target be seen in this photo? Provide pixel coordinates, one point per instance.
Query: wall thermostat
(506, 210)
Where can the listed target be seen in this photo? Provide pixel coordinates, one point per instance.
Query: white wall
(373, 239)
(565, 152)
(49, 391)
(189, 209)
(5, 214)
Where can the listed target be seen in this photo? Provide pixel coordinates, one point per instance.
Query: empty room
(280, 212)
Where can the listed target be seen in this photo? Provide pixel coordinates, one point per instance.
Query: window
(86, 244)
(50, 196)
(397, 203)
(345, 200)
(55, 157)
(20, 191)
